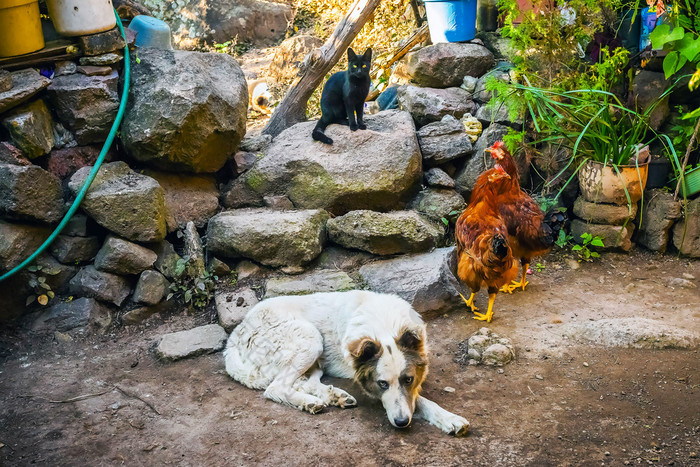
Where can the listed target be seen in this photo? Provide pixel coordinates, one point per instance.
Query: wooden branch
(416, 38)
(292, 109)
(416, 13)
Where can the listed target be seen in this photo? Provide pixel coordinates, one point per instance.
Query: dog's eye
(407, 380)
(383, 385)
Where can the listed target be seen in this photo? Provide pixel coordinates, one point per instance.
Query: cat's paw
(353, 127)
(362, 126)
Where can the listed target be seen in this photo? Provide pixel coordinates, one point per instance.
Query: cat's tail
(318, 134)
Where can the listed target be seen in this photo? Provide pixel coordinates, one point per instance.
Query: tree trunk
(292, 109)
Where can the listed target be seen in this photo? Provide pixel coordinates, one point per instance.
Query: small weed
(37, 281)
(195, 290)
(564, 239)
(539, 267)
(584, 253)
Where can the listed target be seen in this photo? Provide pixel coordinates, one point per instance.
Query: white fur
(285, 344)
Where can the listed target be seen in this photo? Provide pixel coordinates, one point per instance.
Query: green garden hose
(95, 168)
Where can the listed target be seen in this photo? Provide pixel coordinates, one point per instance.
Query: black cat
(344, 94)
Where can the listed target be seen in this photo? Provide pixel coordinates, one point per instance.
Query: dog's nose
(402, 422)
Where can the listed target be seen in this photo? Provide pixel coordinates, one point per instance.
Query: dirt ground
(560, 403)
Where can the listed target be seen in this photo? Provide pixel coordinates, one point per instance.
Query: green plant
(584, 252)
(539, 267)
(564, 239)
(37, 281)
(195, 289)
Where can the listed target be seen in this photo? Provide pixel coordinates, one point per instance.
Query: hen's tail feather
(554, 220)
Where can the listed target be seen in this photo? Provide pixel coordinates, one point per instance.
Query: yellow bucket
(20, 27)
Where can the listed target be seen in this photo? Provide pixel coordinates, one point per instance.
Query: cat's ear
(367, 56)
(351, 54)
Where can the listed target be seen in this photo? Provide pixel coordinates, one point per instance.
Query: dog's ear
(364, 349)
(410, 339)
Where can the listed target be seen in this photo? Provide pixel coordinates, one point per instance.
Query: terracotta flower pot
(602, 184)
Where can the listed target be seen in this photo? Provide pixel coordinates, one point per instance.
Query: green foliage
(681, 39)
(539, 267)
(232, 47)
(564, 239)
(196, 290)
(584, 251)
(37, 281)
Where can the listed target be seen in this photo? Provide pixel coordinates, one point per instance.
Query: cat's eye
(364, 66)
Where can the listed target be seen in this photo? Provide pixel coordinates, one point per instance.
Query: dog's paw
(314, 407)
(346, 401)
(454, 425)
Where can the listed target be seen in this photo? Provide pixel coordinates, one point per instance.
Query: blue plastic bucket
(451, 20)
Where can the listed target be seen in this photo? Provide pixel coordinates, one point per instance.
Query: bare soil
(560, 403)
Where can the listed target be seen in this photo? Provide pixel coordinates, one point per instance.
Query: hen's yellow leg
(523, 280)
(470, 302)
(489, 313)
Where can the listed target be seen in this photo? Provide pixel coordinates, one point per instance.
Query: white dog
(285, 344)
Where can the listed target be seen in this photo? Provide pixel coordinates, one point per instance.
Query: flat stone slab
(25, 84)
(321, 281)
(233, 306)
(184, 344)
(636, 333)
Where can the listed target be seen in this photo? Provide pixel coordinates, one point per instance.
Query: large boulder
(686, 233)
(384, 233)
(289, 56)
(125, 202)
(443, 141)
(378, 168)
(87, 105)
(195, 23)
(106, 287)
(17, 242)
(31, 128)
(186, 110)
(30, 193)
(438, 204)
(273, 238)
(427, 280)
(25, 84)
(445, 65)
(429, 105)
(480, 161)
(187, 198)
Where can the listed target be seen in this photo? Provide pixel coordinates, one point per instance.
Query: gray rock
(125, 202)
(5, 81)
(437, 177)
(70, 250)
(25, 84)
(429, 105)
(202, 340)
(443, 141)
(30, 193)
(487, 348)
(203, 95)
(659, 213)
(647, 87)
(78, 313)
(614, 236)
(600, 213)
(386, 167)
(64, 67)
(86, 105)
(101, 43)
(187, 198)
(77, 226)
(273, 238)
(167, 258)
(244, 161)
(258, 144)
(151, 288)
(384, 233)
(445, 65)
(687, 239)
(278, 202)
(338, 258)
(469, 84)
(324, 280)
(480, 161)
(248, 270)
(496, 113)
(233, 306)
(106, 287)
(123, 257)
(428, 281)
(438, 203)
(31, 128)
(636, 333)
(102, 60)
(218, 267)
(18, 241)
(91, 70)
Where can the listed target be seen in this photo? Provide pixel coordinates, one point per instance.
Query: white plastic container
(81, 17)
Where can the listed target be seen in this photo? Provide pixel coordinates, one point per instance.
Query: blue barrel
(451, 20)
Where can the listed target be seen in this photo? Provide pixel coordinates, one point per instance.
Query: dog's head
(393, 369)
